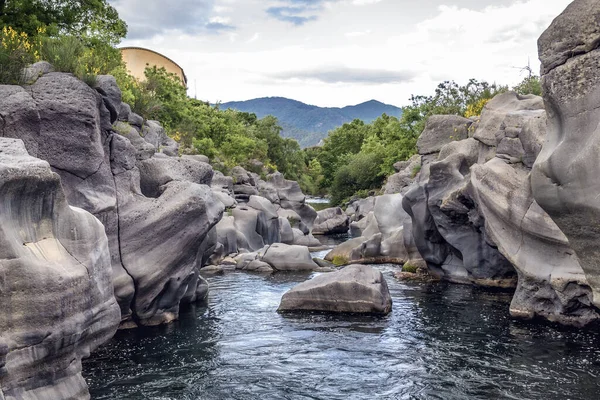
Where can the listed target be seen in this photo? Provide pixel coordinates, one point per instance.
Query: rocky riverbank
(104, 225)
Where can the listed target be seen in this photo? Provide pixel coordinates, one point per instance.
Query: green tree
(360, 173)
(530, 85)
(85, 19)
(451, 98)
(345, 140)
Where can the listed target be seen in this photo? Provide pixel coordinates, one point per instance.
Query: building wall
(137, 59)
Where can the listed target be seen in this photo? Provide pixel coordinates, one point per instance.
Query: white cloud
(222, 9)
(357, 34)
(452, 43)
(220, 20)
(365, 2)
(254, 38)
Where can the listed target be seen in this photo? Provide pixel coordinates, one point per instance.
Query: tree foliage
(87, 19)
(530, 85)
(226, 136)
(357, 157)
(75, 36)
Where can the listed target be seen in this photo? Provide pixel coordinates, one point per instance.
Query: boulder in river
(354, 289)
(331, 221)
(381, 231)
(283, 257)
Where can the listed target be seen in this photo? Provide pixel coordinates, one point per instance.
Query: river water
(441, 341)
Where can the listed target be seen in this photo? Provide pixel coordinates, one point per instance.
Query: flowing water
(441, 341)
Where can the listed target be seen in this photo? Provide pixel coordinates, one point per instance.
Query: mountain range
(310, 124)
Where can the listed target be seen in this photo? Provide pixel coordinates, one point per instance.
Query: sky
(333, 53)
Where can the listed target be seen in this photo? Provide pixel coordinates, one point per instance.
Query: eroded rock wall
(55, 282)
(157, 210)
(566, 175)
(475, 219)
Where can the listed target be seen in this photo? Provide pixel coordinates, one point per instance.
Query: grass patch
(340, 260)
(416, 169)
(408, 267)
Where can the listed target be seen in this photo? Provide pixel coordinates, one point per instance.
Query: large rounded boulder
(354, 289)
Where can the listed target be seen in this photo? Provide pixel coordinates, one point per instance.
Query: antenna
(195, 90)
(526, 68)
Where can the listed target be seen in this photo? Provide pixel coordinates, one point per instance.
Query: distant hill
(309, 124)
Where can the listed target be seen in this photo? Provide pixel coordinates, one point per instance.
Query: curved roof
(157, 53)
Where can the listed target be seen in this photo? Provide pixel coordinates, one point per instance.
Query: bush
(63, 53)
(17, 51)
(529, 85)
(85, 60)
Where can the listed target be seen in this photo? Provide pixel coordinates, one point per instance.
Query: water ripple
(440, 342)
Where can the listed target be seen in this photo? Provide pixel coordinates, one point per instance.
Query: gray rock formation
(448, 222)
(283, 257)
(291, 198)
(279, 257)
(155, 242)
(330, 222)
(566, 175)
(157, 172)
(551, 282)
(56, 292)
(382, 234)
(354, 289)
(34, 71)
(475, 219)
(441, 130)
(259, 215)
(407, 172)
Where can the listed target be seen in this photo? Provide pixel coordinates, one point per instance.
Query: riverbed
(441, 341)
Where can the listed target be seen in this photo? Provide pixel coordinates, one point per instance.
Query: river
(441, 341)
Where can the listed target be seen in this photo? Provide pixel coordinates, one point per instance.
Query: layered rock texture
(475, 220)
(55, 281)
(354, 289)
(566, 175)
(378, 226)
(260, 213)
(406, 171)
(157, 210)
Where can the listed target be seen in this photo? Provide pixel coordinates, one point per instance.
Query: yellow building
(137, 59)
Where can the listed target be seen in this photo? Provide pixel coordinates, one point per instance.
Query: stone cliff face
(382, 233)
(157, 211)
(448, 228)
(566, 179)
(475, 219)
(55, 281)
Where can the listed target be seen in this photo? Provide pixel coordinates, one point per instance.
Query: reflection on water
(440, 342)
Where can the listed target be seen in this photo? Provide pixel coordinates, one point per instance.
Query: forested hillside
(310, 124)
